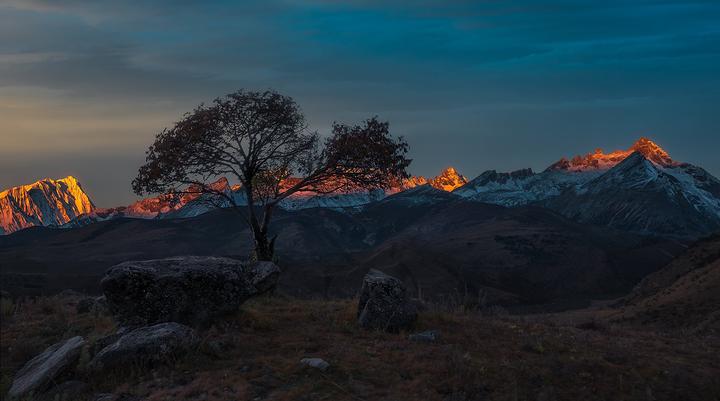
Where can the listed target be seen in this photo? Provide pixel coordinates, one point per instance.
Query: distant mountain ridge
(46, 202)
(57, 207)
(524, 186)
(640, 189)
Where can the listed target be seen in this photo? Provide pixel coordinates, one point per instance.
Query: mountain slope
(524, 255)
(682, 295)
(640, 189)
(641, 196)
(46, 202)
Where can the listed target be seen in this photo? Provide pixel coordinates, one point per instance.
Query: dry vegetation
(255, 355)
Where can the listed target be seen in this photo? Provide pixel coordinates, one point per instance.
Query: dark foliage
(261, 140)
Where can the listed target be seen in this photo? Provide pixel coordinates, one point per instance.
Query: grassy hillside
(255, 355)
(684, 295)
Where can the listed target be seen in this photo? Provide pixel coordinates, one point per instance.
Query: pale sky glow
(85, 85)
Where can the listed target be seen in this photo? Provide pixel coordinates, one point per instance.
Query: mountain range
(640, 189)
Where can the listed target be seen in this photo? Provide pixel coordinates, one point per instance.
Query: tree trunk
(264, 247)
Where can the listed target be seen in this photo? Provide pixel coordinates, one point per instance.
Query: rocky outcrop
(192, 290)
(384, 304)
(425, 336)
(145, 346)
(45, 368)
(317, 363)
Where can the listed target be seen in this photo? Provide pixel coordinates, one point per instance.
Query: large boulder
(145, 346)
(384, 304)
(191, 289)
(45, 368)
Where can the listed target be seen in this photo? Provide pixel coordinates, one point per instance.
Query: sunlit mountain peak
(46, 202)
(448, 180)
(599, 160)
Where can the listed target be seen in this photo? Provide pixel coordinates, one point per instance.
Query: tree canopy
(261, 140)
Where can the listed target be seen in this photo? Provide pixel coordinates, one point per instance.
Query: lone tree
(262, 140)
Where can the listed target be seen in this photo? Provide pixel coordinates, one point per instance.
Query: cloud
(469, 77)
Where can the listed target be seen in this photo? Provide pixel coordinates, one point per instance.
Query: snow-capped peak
(448, 180)
(652, 152)
(599, 160)
(46, 202)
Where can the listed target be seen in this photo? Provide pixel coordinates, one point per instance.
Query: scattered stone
(145, 346)
(425, 336)
(192, 290)
(42, 370)
(384, 304)
(72, 390)
(316, 363)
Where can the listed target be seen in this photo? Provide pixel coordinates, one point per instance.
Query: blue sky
(85, 85)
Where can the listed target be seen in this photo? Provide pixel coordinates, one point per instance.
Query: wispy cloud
(451, 75)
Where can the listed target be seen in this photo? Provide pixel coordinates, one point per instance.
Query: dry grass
(256, 355)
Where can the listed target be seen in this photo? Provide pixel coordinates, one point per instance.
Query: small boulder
(316, 363)
(145, 346)
(42, 370)
(425, 336)
(384, 304)
(193, 290)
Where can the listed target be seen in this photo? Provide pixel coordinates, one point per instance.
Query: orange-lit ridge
(599, 160)
(448, 180)
(45, 202)
(49, 202)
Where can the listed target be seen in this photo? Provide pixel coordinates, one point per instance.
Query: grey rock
(316, 363)
(42, 370)
(145, 346)
(384, 304)
(425, 336)
(192, 290)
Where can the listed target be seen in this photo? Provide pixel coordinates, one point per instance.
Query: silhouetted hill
(683, 295)
(443, 248)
